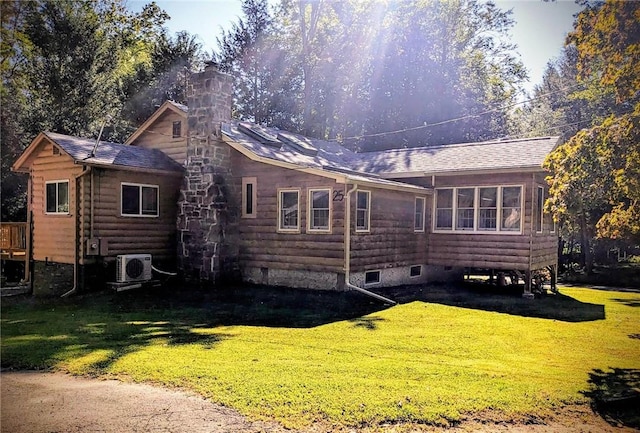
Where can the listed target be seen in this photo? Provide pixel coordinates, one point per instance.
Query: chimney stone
(207, 212)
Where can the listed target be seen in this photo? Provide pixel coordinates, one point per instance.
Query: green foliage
(353, 68)
(442, 355)
(594, 181)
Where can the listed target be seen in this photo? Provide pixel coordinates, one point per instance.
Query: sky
(539, 32)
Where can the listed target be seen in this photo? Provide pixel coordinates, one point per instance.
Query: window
(511, 208)
(319, 210)
(465, 199)
(540, 213)
(177, 129)
(488, 205)
(479, 209)
(57, 196)
(249, 197)
(418, 220)
(371, 277)
(444, 209)
(363, 212)
(139, 200)
(288, 215)
(415, 271)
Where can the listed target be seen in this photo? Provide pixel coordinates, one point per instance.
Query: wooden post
(527, 285)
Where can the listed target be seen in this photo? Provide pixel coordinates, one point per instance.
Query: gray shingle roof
(114, 154)
(528, 153)
(514, 154)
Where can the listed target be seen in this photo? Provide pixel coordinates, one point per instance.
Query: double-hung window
(57, 197)
(465, 199)
(176, 130)
(478, 209)
(319, 210)
(488, 209)
(139, 200)
(363, 211)
(418, 219)
(444, 209)
(511, 208)
(288, 210)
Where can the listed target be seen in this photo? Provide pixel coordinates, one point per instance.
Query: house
(91, 201)
(243, 201)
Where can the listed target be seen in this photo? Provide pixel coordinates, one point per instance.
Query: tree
(594, 175)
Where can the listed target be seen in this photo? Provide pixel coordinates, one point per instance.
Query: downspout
(347, 251)
(76, 252)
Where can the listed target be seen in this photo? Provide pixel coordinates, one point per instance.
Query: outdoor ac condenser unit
(133, 268)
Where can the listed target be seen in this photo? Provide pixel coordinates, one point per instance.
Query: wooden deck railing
(13, 241)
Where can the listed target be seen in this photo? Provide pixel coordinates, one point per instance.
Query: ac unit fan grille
(134, 268)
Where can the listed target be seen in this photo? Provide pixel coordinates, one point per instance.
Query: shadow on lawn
(503, 300)
(100, 328)
(615, 395)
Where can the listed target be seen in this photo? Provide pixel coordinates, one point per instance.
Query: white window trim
(368, 212)
(288, 229)
(541, 210)
(141, 185)
(310, 210)
(476, 230)
(48, 182)
(422, 227)
(254, 196)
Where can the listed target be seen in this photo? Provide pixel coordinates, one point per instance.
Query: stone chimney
(207, 225)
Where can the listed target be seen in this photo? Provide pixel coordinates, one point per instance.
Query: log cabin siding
(160, 136)
(391, 240)
(53, 235)
(262, 245)
(131, 234)
(527, 250)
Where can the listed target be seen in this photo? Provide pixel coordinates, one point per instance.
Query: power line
(457, 119)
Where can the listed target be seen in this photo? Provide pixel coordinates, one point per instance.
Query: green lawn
(300, 357)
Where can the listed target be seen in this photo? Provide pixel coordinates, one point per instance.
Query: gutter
(76, 253)
(347, 251)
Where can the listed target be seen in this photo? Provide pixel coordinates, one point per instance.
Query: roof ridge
(468, 144)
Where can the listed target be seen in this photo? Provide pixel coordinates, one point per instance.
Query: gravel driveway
(36, 402)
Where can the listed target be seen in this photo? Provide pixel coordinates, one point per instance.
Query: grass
(301, 357)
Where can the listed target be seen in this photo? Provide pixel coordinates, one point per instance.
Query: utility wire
(444, 122)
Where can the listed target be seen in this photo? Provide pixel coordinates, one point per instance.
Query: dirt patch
(54, 402)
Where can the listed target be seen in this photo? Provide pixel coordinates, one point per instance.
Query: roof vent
(259, 133)
(300, 144)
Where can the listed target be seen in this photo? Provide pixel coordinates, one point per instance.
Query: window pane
(363, 199)
(289, 209)
(444, 219)
(488, 197)
(444, 198)
(465, 197)
(149, 200)
(63, 197)
(539, 217)
(511, 196)
(488, 219)
(320, 199)
(177, 129)
(130, 200)
(52, 203)
(249, 199)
